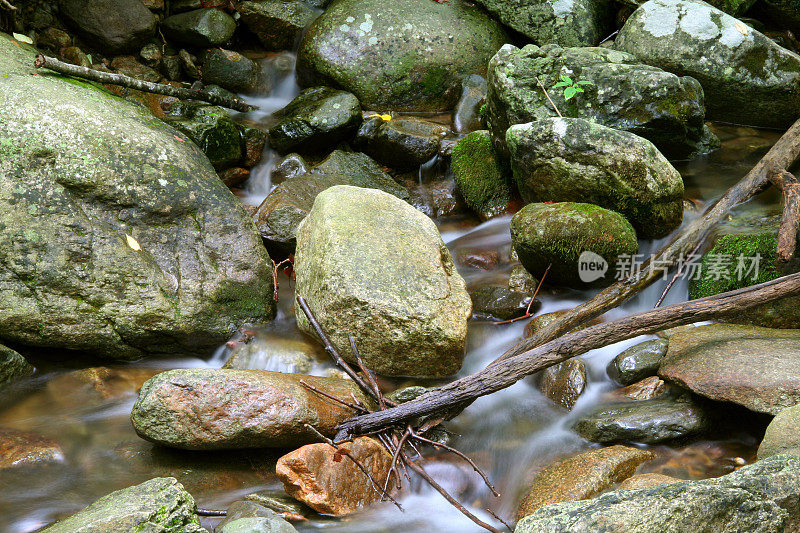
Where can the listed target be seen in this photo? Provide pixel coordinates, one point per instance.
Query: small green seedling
(571, 88)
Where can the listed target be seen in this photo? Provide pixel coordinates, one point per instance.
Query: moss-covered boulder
(276, 23)
(576, 160)
(479, 175)
(160, 504)
(566, 23)
(316, 118)
(624, 94)
(212, 129)
(372, 266)
(747, 78)
(116, 235)
(201, 27)
(12, 365)
(404, 55)
(558, 233)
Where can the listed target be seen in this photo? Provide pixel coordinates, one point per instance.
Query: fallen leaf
(22, 38)
(133, 243)
(742, 27)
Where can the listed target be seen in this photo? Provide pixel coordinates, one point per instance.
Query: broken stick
(787, 233)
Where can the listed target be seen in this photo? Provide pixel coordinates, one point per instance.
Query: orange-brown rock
(564, 382)
(643, 481)
(646, 389)
(328, 481)
(23, 447)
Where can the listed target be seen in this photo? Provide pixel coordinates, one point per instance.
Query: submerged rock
(746, 77)
(637, 362)
(277, 23)
(575, 160)
(113, 26)
(520, 280)
(467, 115)
(402, 142)
(12, 365)
(21, 448)
(404, 55)
(118, 237)
(160, 504)
(212, 409)
(564, 382)
(758, 368)
(202, 27)
(479, 175)
(330, 483)
(372, 266)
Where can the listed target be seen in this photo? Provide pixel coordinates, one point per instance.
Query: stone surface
(557, 233)
(21, 448)
(331, 483)
(402, 142)
(202, 27)
(12, 365)
(479, 175)
(648, 388)
(113, 26)
(746, 77)
(158, 505)
(637, 362)
(212, 130)
(212, 409)
(746, 365)
(268, 351)
(118, 237)
(581, 476)
(466, 115)
(316, 118)
(520, 280)
(279, 501)
(129, 66)
(497, 302)
(576, 160)
(643, 481)
(251, 517)
(624, 94)
(783, 434)
(277, 23)
(406, 55)
(234, 72)
(564, 382)
(372, 266)
(762, 497)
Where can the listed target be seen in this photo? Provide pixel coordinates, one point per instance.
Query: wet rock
(128, 66)
(573, 159)
(97, 166)
(53, 38)
(288, 167)
(746, 77)
(648, 421)
(277, 23)
(180, 6)
(576, 23)
(12, 366)
(19, 448)
(643, 481)
(151, 55)
(211, 409)
(624, 94)
(481, 259)
(251, 517)
(113, 26)
(436, 198)
(287, 205)
(402, 142)
(316, 118)
(467, 115)
(396, 291)
(160, 504)
(332, 484)
(407, 55)
(76, 56)
(280, 354)
(648, 388)
(582, 476)
(783, 434)
(189, 65)
(171, 67)
(233, 177)
(497, 302)
(254, 142)
(99, 383)
(520, 280)
(406, 394)
(637, 362)
(746, 365)
(202, 27)
(279, 501)
(233, 71)
(557, 233)
(762, 497)
(212, 130)
(563, 383)
(479, 175)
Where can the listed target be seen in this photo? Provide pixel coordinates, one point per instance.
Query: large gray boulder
(372, 266)
(113, 26)
(624, 94)
(404, 55)
(576, 160)
(159, 505)
(762, 498)
(747, 78)
(116, 235)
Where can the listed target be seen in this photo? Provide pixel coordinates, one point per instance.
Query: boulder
(758, 368)
(213, 409)
(118, 238)
(277, 23)
(762, 497)
(372, 266)
(572, 23)
(316, 118)
(329, 481)
(624, 94)
(564, 382)
(212, 130)
(576, 160)
(783, 434)
(12, 365)
(582, 476)
(746, 77)
(557, 234)
(202, 27)
(479, 175)
(21, 448)
(497, 302)
(402, 143)
(234, 72)
(467, 113)
(112, 26)
(637, 362)
(405, 55)
(160, 504)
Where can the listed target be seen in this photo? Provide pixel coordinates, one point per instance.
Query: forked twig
(352, 406)
(533, 299)
(460, 454)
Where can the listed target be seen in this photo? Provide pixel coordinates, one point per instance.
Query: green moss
(479, 175)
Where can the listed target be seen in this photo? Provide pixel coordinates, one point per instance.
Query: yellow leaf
(132, 243)
(22, 38)
(384, 117)
(742, 27)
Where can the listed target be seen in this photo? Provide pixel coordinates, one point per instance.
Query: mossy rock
(212, 129)
(202, 27)
(479, 175)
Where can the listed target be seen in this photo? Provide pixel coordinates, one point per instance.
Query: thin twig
(395, 455)
(533, 299)
(499, 519)
(548, 97)
(275, 269)
(209, 512)
(460, 454)
(334, 398)
(677, 274)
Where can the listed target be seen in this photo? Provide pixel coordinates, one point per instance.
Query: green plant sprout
(571, 88)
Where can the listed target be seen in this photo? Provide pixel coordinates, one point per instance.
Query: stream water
(509, 434)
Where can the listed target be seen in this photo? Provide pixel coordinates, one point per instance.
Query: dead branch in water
(5, 4)
(113, 78)
(787, 233)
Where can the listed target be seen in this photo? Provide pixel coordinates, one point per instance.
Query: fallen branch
(7, 5)
(460, 393)
(113, 78)
(787, 233)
